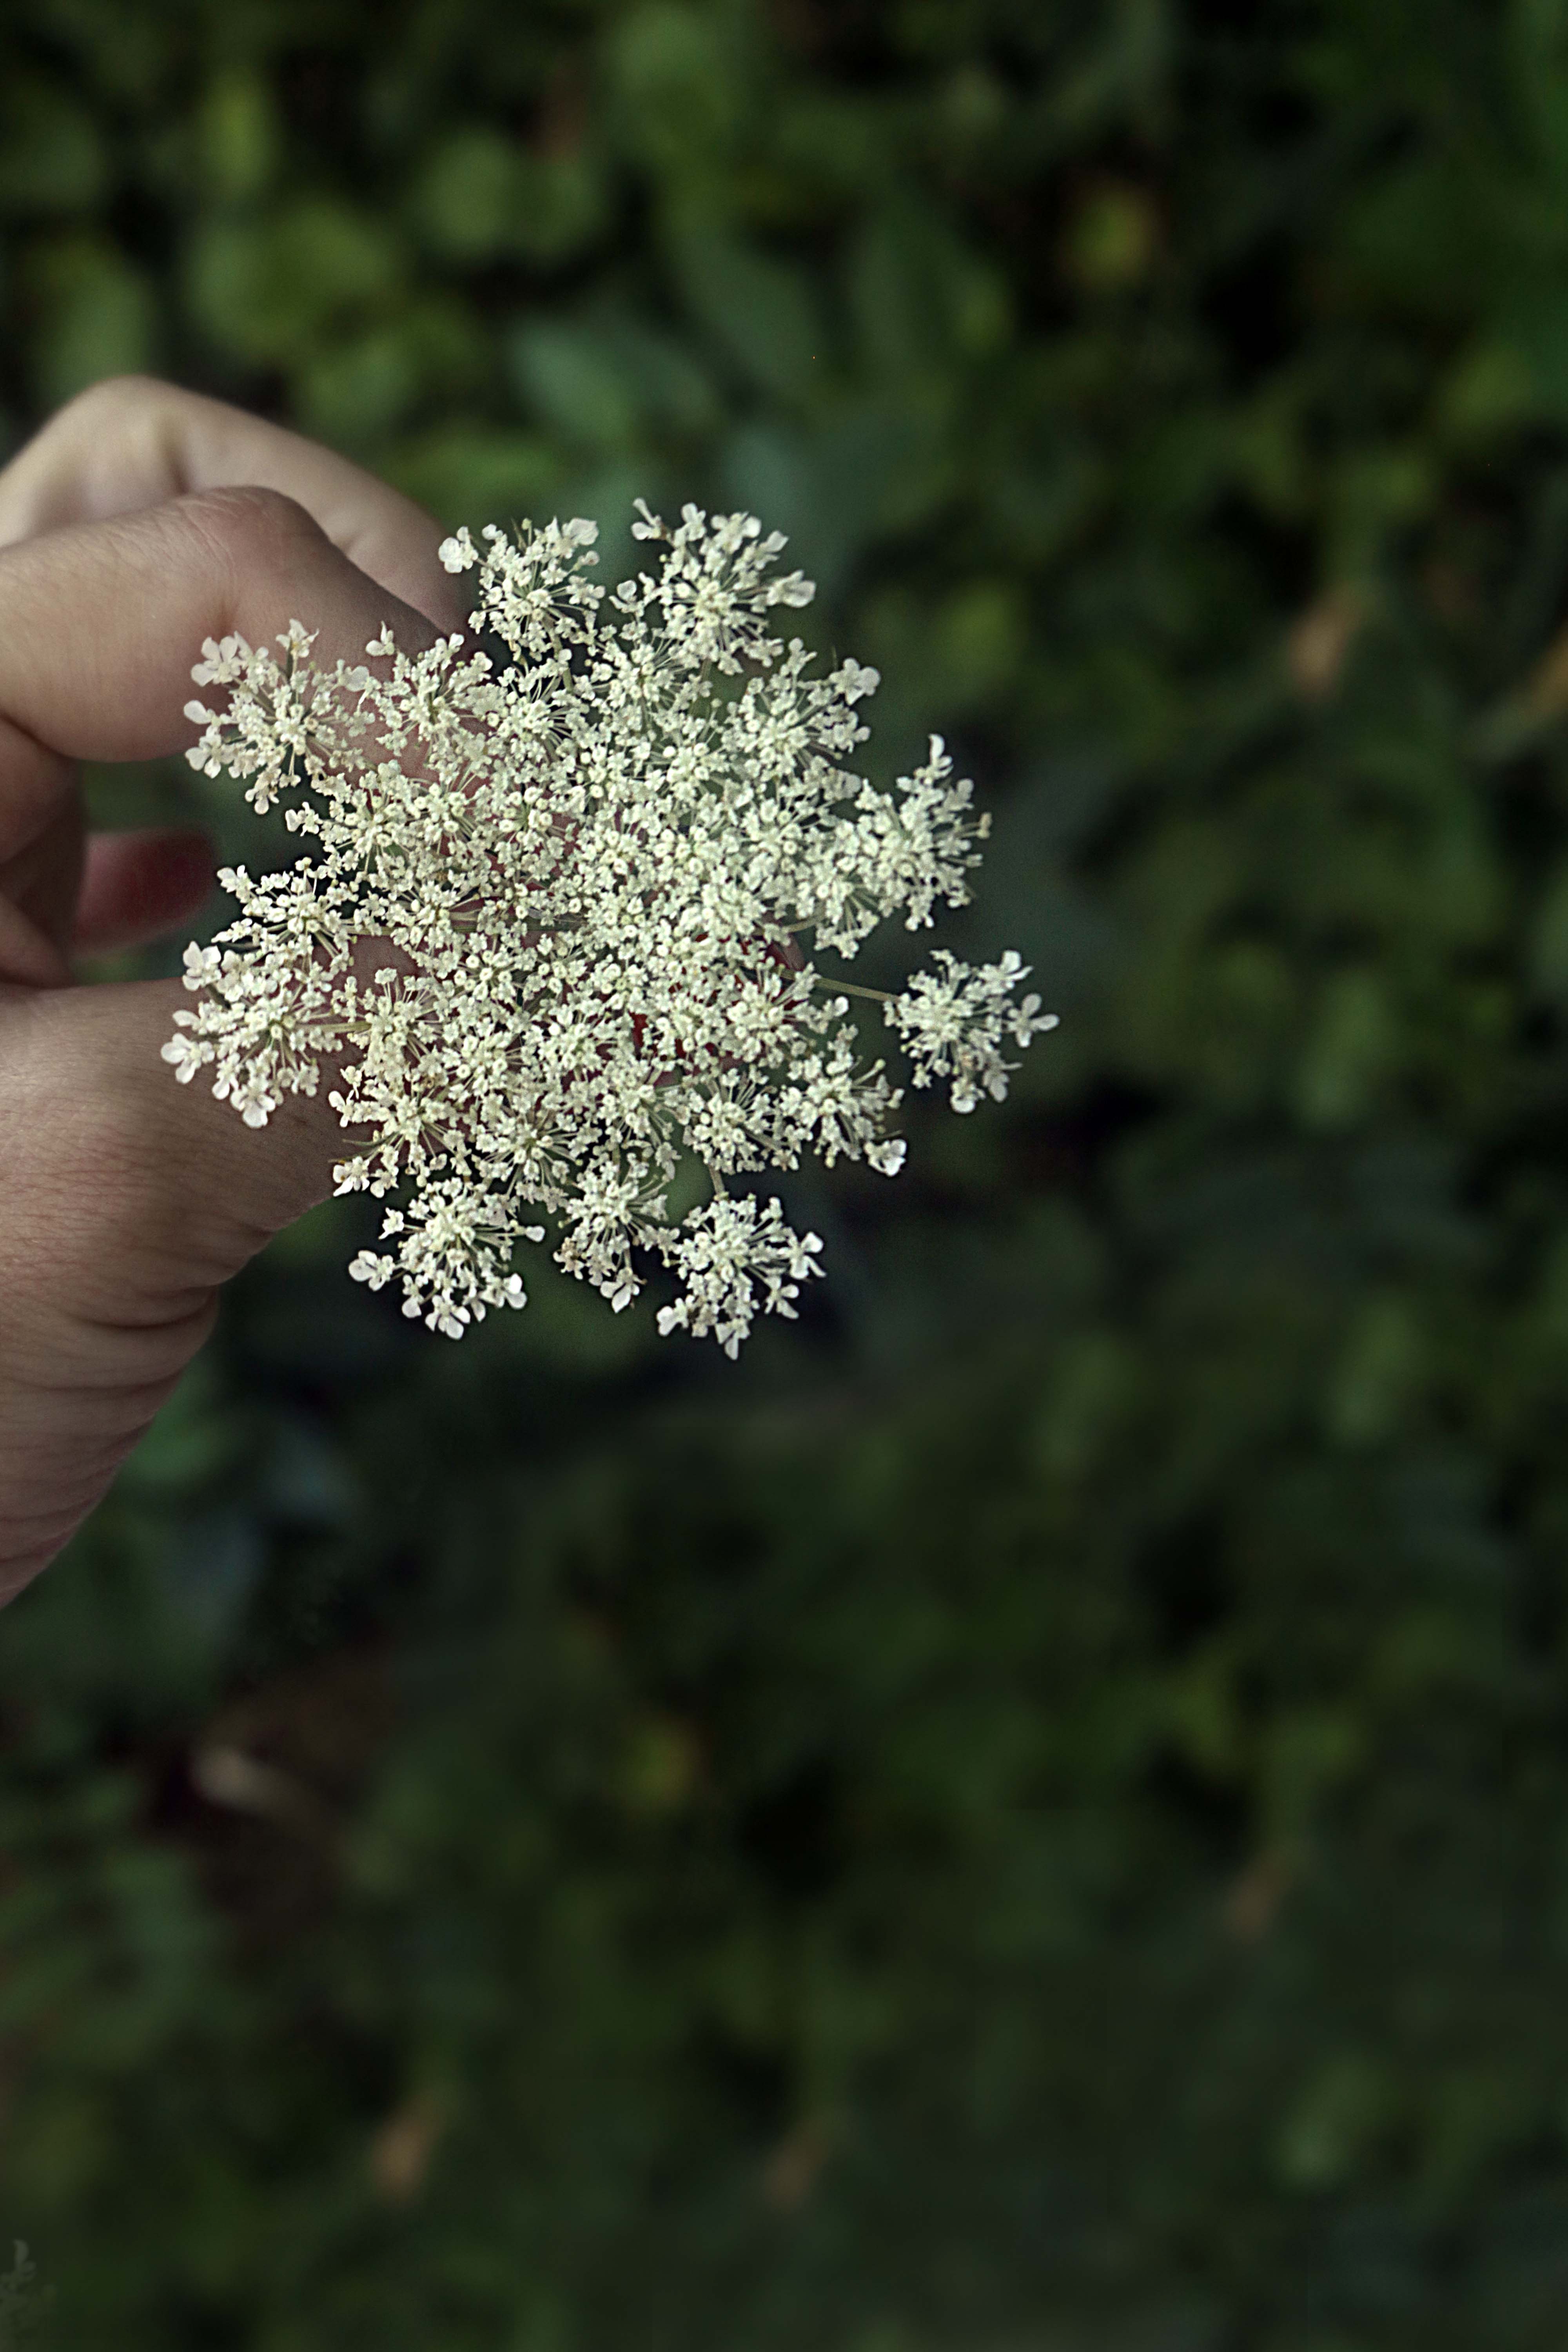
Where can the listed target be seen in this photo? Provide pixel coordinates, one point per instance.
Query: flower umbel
(554, 932)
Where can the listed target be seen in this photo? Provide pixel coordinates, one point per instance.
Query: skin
(141, 520)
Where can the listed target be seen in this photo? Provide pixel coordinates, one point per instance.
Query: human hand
(141, 520)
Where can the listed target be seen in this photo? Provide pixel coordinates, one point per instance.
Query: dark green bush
(1033, 1811)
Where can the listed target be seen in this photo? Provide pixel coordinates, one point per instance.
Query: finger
(41, 841)
(128, 1207)
(98, 624)
(173, 1192)
(132, 442)
(137, 886)
(101, 623)
(29, 956)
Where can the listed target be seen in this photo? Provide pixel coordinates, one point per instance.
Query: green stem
(853, 987)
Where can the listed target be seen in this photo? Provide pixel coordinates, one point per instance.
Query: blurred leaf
(761, 314)
(474, 474)
(267, 290)
(239, 135)
(469, 195)
(573, 380)
(1379, 1372)
(1335, 2122)
(676, 84)
(96, 316)
(54, 155)
(355, 393)
(1352, 1046)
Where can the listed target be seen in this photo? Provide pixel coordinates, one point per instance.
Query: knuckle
(250, 530)
(112, 397)
(117, 391)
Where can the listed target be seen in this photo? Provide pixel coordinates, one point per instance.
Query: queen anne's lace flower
(554, 934)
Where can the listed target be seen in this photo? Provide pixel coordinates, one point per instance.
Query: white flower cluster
(554, 937)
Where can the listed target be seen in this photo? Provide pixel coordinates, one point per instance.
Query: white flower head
(552, 930)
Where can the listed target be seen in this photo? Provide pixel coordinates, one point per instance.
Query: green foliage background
(1033, 1811)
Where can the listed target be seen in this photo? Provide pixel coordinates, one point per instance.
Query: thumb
(101, 626)
(150, 1193)
(130, 1201)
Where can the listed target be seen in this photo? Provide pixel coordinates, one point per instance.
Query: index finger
(132, 442)
(100, 623)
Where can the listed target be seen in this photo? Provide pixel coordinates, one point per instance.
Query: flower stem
(853, 987)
